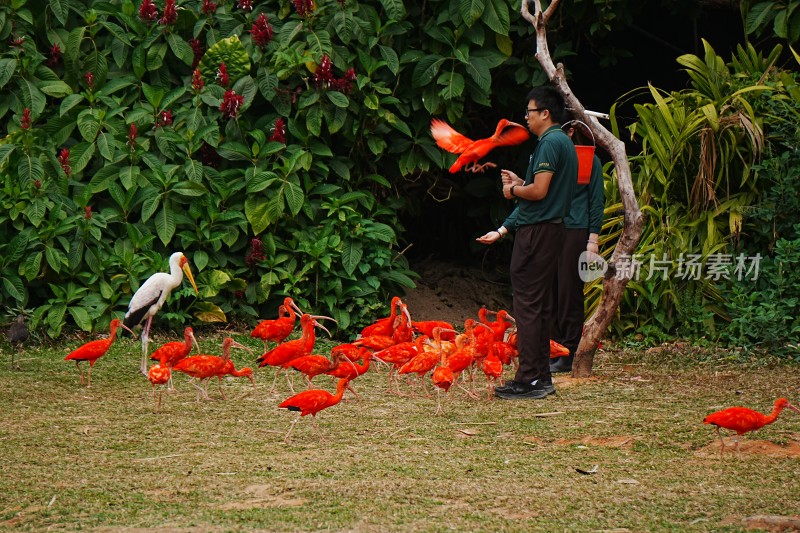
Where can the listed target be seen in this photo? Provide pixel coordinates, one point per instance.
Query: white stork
(151, 296)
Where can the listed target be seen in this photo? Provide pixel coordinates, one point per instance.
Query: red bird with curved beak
(159, 375)
(278, 329)
(94, 350)
(205, 367)
(741, 420)
(311, 402)
(507, 134)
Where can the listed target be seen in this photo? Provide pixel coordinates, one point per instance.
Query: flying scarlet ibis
(17, 334)
(146, 301)
(158, 375)
(94, 350)
(507, 133)
(311, 402)
(742, 420)
(276, 330)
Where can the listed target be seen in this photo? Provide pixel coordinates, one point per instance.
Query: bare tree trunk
(616, 277)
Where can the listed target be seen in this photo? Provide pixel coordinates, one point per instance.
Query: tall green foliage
(701, 177)
(269, 142)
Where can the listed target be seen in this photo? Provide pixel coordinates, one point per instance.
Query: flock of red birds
(406, 347)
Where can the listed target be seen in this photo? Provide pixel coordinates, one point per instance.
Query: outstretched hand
(490, 237)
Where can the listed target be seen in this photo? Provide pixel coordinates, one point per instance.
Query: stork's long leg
(145, 342)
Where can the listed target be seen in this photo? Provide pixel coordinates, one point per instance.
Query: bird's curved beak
(238, 345)
(129, 330)
(315, 317)
(790, 406)
(484, 325)
(188, 272)
(194, 341)
(296, 308)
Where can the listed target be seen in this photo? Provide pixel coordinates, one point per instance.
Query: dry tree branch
(616, 278)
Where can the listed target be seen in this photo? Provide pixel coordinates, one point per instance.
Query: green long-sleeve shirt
(588, 203)
(555, 153)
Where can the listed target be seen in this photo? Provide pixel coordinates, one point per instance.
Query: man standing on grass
(543, 200)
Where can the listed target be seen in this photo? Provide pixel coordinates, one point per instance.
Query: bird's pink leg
(78, 364)
(289, 381)
(297, 419)
(89, 377)
(275, 379)
(351, 389)
(219, 384)
(721, 443)
(145, 342)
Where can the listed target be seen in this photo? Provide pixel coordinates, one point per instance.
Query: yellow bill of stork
(151, 296)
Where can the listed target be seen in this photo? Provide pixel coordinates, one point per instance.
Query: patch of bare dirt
(453, 293)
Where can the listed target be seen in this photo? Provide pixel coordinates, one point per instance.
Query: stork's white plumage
(151, 296)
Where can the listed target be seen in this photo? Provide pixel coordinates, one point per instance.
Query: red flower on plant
(279, 131)
(198, 50)
(55, 56)
(261, 30)
(256, 253)
(89, 77)
(245, 5)
(324, 73)
(16, 41)
(164, 118)
(209, 7)
(148, 11)
(25, 121)
(87, 213)
(231, 103)
(132, 134)
(304, 7)
(37, 184)
(63, 160)
(222, 75)
(170, 14)
(197, 81)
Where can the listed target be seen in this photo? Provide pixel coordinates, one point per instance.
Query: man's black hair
(550, 99)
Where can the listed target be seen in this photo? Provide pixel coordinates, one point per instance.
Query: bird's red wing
(90, 350)
(447, 138)
(199, 366)
(739, 419)
(307, 402)
(512, 134)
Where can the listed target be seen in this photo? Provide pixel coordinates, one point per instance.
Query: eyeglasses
(529, 111)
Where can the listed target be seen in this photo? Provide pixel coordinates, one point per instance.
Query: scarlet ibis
(172, 352)
(94, 350)
(443, 379)
(205, 367)
(384, 326)
(228, 369)
(426, 327)
(507, 133)
(17, 334)
(314, 365)
(278, 329)
(146, 301)
(557, 350)
(351, 370)
(158, 375)
(741, 420)
(426, 358)
(311, 402)
(492, 368)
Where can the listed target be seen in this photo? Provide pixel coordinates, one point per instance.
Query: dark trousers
(568, 293)
(534, 261)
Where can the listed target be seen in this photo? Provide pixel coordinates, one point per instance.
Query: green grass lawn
(101, 458)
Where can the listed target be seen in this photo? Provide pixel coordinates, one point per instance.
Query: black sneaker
(548, 386)
(508, 387)
(523, 391)
(562, 364)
